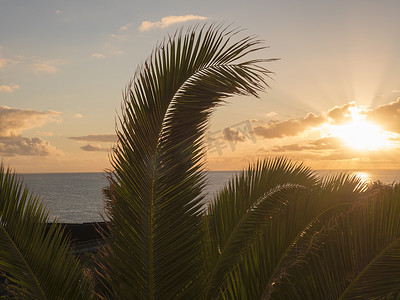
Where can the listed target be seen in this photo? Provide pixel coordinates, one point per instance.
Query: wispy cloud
(271, 114)
(168, 21)
(94, 148)
(121, 37)
(44, 68)
(125, 27)
(44, 133)
(3, 62)
(117, 52)
(108, 137)
(6, 61)
(14, 121)
(98, 56)
(77, 116)
(9, 88)
(326, 143)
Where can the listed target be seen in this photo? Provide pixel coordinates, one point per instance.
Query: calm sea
(77, 197)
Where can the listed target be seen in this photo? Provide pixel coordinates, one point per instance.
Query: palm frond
(239, 212)
(156, 207)
(358, 258)
(290, 234)
(35, 258)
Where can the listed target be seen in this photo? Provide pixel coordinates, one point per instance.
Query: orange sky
(63, 67)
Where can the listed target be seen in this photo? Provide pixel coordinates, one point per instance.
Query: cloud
(271, 114)
(6, 61)
(94, 147)
(125, 27)
(121, 37)
(26, 146)
(326, 143)
(97, 56)
(386, 116)
(44, 133)
(9, 88)
(168, 21)
(108, 137)
(44, 68)
(233, 135)
(3, 62)
(13, 120)
(77, 116)
(58, 12)
(291, 127)
(341, 114)
(111, 49)
(117, 52)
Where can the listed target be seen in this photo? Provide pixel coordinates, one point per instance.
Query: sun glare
(360, 134)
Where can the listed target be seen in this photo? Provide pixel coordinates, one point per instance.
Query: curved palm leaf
(289, 234)
(156, 206)
(238, 213)
(357, 259)
(36, 258)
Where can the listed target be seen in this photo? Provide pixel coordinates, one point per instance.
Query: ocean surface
(78, 198)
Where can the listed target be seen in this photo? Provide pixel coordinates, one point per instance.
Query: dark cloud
(13, 121)
(108, 137)
(233, 135)
(26, 146)
(94, 147)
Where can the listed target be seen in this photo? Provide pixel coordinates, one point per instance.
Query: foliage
(158, 178)
(358, 258)
(36, 257)
(276, 230)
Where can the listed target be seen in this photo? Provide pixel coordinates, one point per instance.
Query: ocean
(78, 198)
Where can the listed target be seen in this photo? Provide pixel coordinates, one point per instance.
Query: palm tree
(271, 224)
(158, 177)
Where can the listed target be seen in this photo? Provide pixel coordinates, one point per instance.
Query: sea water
(78, 197)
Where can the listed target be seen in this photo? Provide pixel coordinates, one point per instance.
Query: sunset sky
(334, 101)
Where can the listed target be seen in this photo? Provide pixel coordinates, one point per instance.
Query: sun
(360, 134)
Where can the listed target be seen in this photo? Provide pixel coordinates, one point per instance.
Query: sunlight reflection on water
(364, 176)
(368, 176)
